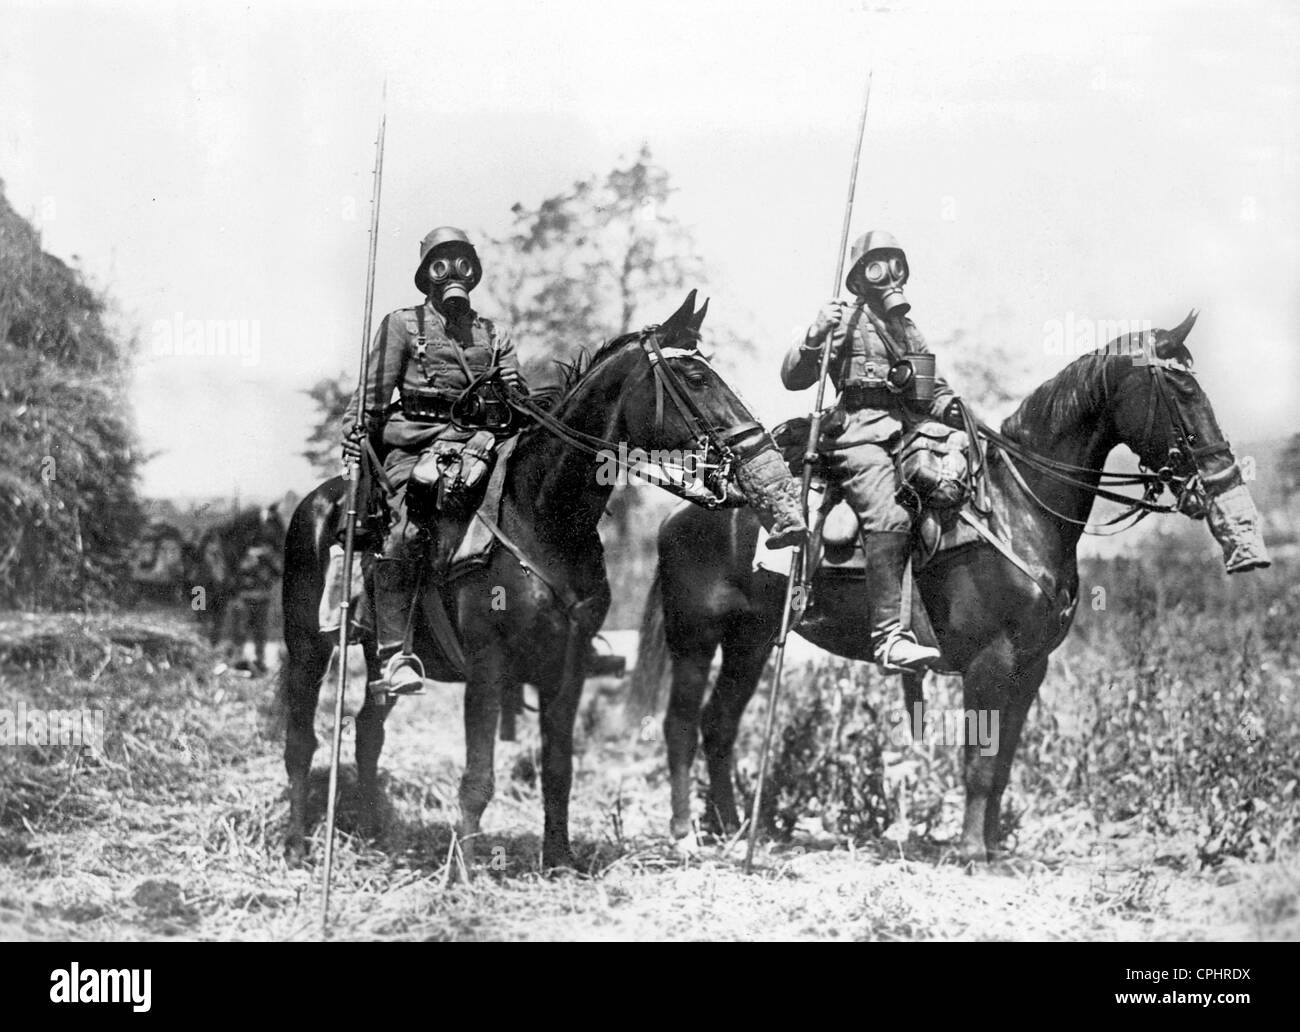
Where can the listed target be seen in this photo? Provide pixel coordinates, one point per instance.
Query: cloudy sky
(1043, 166)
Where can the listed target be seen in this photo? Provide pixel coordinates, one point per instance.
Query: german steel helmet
(875, 242)
(454, 243)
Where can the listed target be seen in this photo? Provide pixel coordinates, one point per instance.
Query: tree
(69, 510)
(323, 444)
(590, 263)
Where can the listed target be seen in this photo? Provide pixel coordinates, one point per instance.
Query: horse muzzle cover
(1234, 522)
(763, 477)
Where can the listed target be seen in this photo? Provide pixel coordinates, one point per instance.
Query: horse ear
(1171, 340)
(699, 316)
(680, 318)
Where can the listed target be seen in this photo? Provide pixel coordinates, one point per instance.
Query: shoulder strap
(421, 343)
(882, 332)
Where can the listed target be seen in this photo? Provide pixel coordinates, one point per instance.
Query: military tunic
(856, 444)
(397, 363)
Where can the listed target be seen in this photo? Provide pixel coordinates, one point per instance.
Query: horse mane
(1079, 389)
(1064, 400)
(573, 372)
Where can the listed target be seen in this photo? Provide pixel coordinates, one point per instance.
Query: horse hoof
(688, 846)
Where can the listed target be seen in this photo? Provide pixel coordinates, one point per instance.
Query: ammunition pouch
(471, 410)
(451, 476)
(932, 468)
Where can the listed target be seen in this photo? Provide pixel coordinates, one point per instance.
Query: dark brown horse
(527, 625)
(995, 624)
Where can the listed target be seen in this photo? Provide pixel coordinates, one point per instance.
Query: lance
(352, 472)
(796, 591)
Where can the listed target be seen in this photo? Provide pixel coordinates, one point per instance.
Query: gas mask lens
(881, 271)
(443, 268)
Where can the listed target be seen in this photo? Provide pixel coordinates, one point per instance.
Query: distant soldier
(241, 567)
(256, 579)
(429, 354)
(871, 340)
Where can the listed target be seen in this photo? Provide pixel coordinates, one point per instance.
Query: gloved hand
(352, 444)
(830, 316)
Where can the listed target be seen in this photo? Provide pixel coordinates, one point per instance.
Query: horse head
(1163, 415)
(688, 427)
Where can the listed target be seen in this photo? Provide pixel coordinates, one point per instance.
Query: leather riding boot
(893, 647)
(395, 583)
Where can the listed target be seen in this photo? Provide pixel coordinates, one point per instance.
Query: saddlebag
(932, 469)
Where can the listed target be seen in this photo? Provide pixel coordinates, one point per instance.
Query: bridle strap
(665, 379)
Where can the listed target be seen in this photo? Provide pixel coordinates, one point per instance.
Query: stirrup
(927, 659)
(384, 685)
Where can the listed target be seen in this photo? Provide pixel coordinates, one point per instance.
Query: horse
(530, 613)
(997, 612)
(237, 566)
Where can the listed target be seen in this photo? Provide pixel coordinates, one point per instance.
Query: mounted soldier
(882, 370)
(445, 362)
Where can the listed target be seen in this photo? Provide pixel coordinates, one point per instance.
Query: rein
(707, 438)
(1182, 473)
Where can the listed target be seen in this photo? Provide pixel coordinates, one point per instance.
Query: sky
(1046, 167)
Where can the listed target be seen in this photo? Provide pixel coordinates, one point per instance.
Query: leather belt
(436, 407)
(857, 395)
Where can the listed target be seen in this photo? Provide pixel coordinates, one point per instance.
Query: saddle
(933, 480)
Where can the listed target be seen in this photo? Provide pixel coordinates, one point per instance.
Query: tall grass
(1172, 705)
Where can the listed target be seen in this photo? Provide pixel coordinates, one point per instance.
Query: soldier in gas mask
(876, 352)
(431, 354)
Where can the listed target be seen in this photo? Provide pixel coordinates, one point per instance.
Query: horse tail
(649, 676)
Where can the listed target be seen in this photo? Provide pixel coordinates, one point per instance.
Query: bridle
(717, 448)
(1181, 473)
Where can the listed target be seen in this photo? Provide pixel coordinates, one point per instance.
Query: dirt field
(177, 833)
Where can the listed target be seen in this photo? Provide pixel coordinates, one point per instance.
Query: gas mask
(452, 277)
(885, 275)
(449, 269)
(879, 270)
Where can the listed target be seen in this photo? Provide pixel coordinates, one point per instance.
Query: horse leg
(369, 744)
(512, 704)
(742, 666)
(559, 707)
(993, 684)
(682, 730)
(487, 680)
(307, 655)
(1006, 740)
